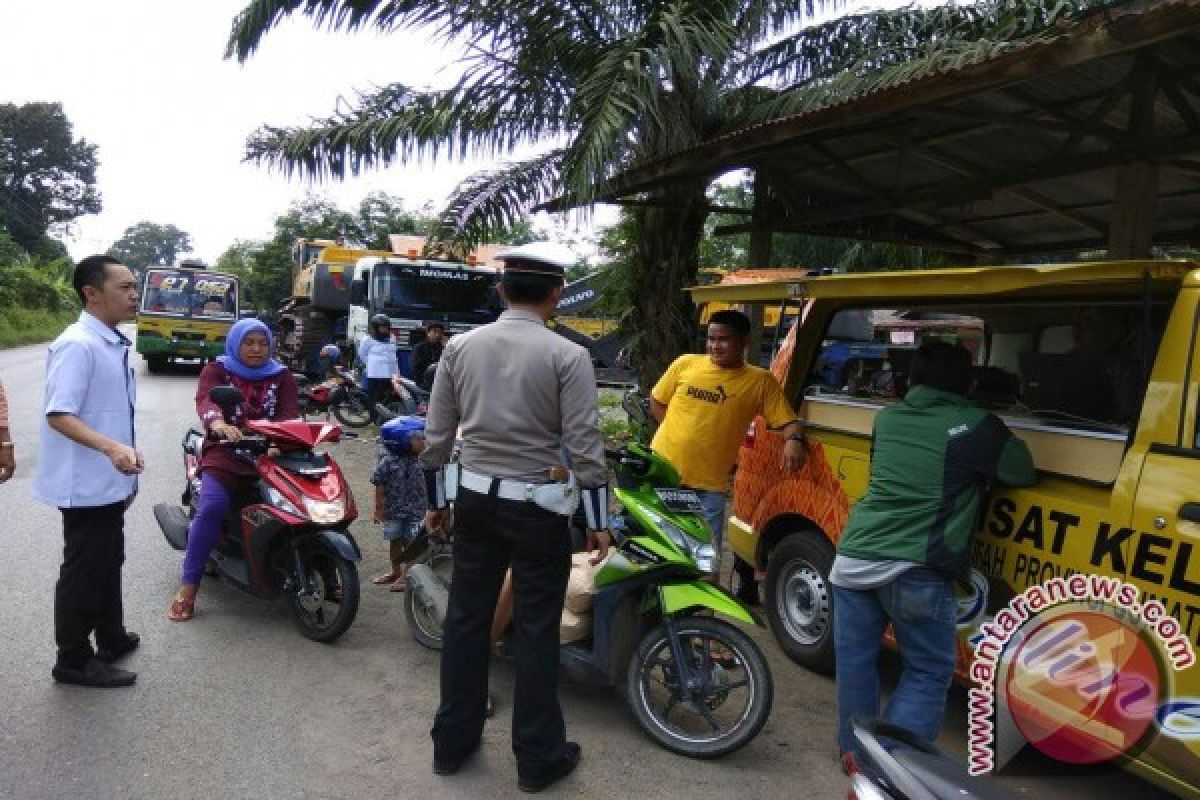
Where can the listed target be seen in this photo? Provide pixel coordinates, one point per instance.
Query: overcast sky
(146, 81)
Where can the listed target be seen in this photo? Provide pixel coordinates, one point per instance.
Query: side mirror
(225, 396)
(358, 290)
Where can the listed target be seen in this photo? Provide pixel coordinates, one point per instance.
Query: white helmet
(555, 257)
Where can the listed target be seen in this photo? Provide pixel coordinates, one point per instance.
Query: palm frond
(633, 92)
(881, 39)
(398, 123)
(490, 202)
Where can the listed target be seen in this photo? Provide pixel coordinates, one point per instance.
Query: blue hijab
(233, 347)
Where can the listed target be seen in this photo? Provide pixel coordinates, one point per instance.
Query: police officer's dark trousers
(489, 533)
(87, 597)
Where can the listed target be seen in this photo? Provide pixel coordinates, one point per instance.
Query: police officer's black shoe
(565, 766)
(94, 673)
(119, 650)
(449, 766)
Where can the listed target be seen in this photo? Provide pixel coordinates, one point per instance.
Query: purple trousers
(205, 527)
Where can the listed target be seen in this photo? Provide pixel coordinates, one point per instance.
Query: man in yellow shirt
(705, 405)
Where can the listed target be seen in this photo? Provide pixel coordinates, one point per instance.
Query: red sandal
(182, 609)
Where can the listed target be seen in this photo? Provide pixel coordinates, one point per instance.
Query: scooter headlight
(706, 558)
(702, 553)
(275, 498)
(325, 512)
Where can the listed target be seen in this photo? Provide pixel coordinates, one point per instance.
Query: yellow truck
(317, 310)
(1095, 366)
(185, 312)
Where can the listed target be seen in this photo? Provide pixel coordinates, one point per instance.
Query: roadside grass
(20, 326)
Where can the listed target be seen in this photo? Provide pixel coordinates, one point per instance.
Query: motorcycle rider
(377, 352)
(270, 393)
(428, 353)
(519, 393)
(330, 359)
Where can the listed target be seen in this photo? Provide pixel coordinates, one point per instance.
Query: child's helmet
(397, 433)
(331, 352)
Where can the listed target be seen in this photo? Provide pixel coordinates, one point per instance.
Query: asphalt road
(236, 704)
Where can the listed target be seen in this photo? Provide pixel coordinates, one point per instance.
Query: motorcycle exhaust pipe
(429, 591)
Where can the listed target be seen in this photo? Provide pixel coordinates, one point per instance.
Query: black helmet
(381, 321)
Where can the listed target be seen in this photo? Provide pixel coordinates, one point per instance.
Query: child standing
(399, 492)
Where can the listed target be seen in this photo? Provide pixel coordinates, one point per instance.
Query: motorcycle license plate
(686, 501)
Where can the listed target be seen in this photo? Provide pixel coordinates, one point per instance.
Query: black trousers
(87, 598)
(489, 534)
(378, 390)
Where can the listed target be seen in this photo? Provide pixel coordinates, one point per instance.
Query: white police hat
(545, 258)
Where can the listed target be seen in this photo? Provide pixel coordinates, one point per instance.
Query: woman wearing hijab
(269, 392)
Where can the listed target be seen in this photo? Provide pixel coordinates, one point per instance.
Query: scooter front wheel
(730, 695)
(323, 592)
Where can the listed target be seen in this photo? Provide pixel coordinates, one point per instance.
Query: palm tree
(602, 85)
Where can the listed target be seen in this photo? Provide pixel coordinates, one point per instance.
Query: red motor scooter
(289, 537)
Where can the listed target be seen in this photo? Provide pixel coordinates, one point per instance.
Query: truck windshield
(192, 294)
(451, 292)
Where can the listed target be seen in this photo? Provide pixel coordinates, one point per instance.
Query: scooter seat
(946, 778)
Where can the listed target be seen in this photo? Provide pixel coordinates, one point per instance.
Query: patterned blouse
(403, 485)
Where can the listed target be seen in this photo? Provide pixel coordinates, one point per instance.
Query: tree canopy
(146, 244)
(47, 177)
(602, 85)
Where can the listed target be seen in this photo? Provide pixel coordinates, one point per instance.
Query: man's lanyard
(125, 343)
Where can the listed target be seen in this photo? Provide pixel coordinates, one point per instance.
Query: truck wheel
(799, 599)
(156, 364)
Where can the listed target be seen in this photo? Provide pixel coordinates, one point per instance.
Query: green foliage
(147, 244)
(30, 287)
(27, 326)
(800, 250)
(47, 178)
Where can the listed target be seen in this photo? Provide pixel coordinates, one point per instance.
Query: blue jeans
(921, 607)
(714, 515)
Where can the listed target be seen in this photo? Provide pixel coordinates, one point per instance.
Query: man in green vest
(934, 455)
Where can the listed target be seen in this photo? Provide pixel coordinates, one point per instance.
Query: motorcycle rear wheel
(352, 410)
(324, 598)
(729, 713)
(426, 628)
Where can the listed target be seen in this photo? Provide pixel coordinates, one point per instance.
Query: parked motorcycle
(340, 395)
(698, 685)
(407, 398)
(908, 768)
(290, 536)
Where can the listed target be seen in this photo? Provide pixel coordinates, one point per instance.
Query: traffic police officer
(518, 394)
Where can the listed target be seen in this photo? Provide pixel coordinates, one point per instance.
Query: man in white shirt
(88, 468)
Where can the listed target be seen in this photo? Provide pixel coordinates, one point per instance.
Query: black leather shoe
(562, 769)
(110, 654)
(94, 673)
(449, 766)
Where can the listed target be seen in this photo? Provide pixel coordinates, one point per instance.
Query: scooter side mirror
(225, 396)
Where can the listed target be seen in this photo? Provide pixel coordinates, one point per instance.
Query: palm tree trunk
(666, 250)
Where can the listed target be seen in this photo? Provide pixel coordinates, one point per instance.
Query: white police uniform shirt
(518, 394)
(88, 376)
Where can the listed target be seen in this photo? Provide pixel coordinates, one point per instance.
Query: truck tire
(156, 364)
(799, 599)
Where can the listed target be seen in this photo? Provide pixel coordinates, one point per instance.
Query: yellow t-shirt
(709, 410)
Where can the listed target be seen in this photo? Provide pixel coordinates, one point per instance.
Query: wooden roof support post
(1131, 227)
(759, 258)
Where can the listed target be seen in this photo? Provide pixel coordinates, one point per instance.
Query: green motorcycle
(698, 685)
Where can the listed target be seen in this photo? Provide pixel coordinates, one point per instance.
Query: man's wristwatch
(796, 437)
